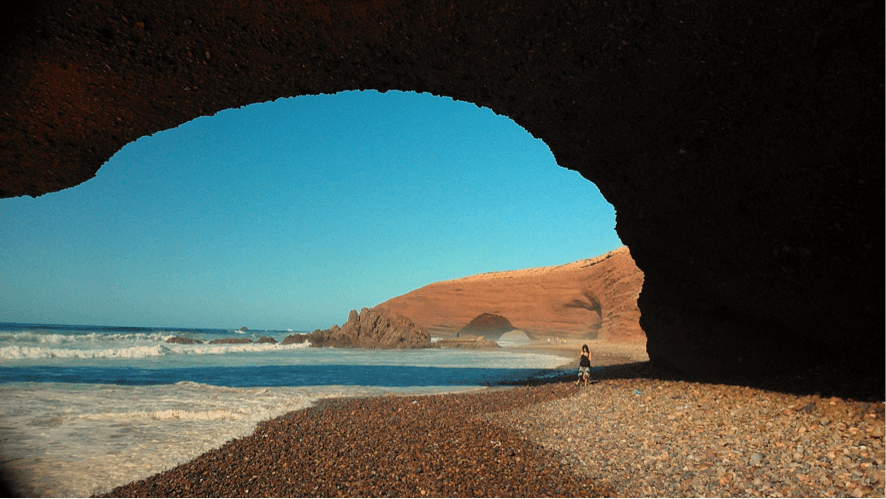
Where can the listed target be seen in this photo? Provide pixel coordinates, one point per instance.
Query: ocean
(88, 408)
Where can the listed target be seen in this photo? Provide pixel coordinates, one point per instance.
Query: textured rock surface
(295, 339)
(372, 328)
(593, 297)
(740, 142)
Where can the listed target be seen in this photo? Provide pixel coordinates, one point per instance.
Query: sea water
(84, 409)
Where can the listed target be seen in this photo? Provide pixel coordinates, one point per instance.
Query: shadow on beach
(824, 381)
(612, 360)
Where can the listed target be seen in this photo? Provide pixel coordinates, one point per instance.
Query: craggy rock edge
(740, 142)
(369, 328)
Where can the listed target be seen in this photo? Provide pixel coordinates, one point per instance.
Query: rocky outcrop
(487, 325)
(373, 328)
(586, 299)
(741, 143)
(267, 339)
(295, 339)
(183, 341)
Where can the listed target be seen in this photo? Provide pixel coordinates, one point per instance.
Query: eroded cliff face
(740, 142)
(592, 298)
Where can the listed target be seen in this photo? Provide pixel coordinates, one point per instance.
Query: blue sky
(288, 214)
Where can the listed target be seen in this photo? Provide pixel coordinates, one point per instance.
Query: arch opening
(746, 179)
(287, 214)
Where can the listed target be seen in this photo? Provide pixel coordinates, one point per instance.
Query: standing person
(584, 365)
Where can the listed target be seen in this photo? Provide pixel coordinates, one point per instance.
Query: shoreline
(632, 432)
(389, 446)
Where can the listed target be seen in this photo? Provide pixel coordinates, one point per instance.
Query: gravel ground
(654, 437)
(383, 447)
(631, 432)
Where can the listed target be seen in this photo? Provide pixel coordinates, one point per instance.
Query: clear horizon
(288, 214)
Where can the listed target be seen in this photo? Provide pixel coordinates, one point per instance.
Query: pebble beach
(629, 433)
(653, 438)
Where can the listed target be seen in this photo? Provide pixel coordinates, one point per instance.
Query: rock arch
(740, 142)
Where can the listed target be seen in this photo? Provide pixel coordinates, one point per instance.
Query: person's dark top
(584, 361)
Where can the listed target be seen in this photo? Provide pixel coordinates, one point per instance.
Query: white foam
(69, 444)
(66, 348)
(513, 338)
(62, 440)
(179, 415)
(135, 352)
(81, 439)
(226, 348)
(40, 337)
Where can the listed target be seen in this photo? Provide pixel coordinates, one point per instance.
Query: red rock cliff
(582, 299)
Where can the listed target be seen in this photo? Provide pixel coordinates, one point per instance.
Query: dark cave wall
(740, 142)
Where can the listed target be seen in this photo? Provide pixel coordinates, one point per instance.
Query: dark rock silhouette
(741, 143)
(487, 325)
(295, 339)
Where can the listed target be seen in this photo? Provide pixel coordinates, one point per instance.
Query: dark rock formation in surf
(373, 328)
(295, 339)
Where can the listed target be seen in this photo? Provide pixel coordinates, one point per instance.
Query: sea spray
(76, 423)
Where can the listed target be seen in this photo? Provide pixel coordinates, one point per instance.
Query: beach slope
(394, 446)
